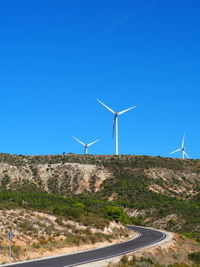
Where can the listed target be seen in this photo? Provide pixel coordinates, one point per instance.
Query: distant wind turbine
(115, 123)
(181, 149)
(85, 145)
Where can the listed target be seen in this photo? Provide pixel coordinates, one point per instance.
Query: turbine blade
(175, 151)
(106, 106)
(183, 140)
(186, 154)
(93, 142)
(78, 140)
(123, 111)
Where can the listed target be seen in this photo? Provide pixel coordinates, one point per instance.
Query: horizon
(98, 155)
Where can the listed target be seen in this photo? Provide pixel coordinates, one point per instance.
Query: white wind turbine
(115, 122)
(181, 149)
(85, 145)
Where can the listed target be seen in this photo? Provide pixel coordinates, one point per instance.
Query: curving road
(146, 238)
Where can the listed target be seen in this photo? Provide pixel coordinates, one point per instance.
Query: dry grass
(37, 234)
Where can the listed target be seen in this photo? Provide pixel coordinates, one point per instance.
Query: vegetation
(147, 262)
(89, 212)
(195, 257)
(128, 187)
(39, 232)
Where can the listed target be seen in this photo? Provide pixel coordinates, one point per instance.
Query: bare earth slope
(38, 234)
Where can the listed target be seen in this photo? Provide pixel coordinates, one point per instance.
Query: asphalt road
(146, 238)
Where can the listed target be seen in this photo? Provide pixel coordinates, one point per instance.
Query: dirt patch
(172, 182)
(176, 250)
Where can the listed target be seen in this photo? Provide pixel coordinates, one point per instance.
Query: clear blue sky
(57, 57)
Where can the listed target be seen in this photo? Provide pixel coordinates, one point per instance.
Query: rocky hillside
(52, 174)
(155, 191)
(81, 173)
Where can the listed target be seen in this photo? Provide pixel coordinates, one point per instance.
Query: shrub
(124, 259)
(16, 251)
(43, 241)
(116, 213)
(36, 245)
(26, 225)
(147, 260)
(195, 257)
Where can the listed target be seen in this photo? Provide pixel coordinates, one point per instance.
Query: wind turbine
(181, 149)
(115, 123)
(85, 145)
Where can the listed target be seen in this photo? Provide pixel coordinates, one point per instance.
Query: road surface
(146, 238)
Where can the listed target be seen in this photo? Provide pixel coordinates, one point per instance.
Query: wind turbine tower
(115, 124)
(85, 145)
(182, 149)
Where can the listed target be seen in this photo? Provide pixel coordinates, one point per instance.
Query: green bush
(116, 213)
(124, 259)
(195, 257)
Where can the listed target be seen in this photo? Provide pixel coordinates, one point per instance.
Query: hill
(161, 192)
(173, 177)
(39, 234)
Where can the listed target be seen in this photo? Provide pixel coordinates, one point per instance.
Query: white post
(86, 150)
(10, 237)
(116, 136)
(182, 154)
(10, 249)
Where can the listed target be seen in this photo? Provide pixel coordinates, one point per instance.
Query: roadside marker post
(10, 236)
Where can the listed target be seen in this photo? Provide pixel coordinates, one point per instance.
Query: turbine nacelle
(182, 149)
(115, 122)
